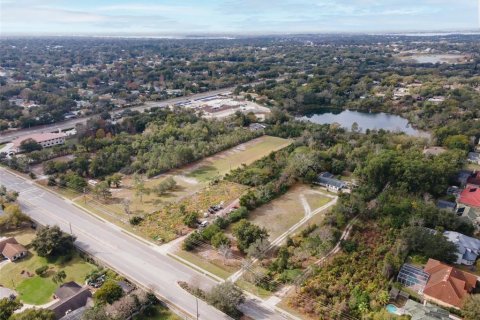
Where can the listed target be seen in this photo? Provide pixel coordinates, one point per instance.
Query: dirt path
(308, 215)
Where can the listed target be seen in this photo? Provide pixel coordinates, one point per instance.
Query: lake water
(365, 120)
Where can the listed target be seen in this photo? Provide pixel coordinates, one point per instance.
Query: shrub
(238, 214)
(109, 292)
(210, 231)
(136, 220)
(190, 219)
(192, 241)
(41, 270)
(219, 239)
(221, 222)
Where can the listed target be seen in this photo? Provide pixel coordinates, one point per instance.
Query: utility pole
(196, 299)
(70, 225)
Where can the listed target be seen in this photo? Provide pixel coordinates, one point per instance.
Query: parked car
(203, 224)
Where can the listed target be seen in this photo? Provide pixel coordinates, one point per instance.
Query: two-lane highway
(133, 258)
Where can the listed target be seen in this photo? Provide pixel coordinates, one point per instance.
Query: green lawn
(161, 313)
(20, 275)
(36, 290)
(246, 153)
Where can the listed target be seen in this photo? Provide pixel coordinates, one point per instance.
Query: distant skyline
(170, 17)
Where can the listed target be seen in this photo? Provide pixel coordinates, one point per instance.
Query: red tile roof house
(447, 286)
(11, 249)
(45, 139)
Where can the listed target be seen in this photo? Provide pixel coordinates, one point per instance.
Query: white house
(468, 248)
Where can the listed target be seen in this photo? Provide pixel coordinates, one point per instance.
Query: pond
(365, 120)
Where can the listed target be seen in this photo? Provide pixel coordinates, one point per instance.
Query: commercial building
(46, 140)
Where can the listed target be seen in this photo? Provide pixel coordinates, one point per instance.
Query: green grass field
(246, 153)
(20, 275)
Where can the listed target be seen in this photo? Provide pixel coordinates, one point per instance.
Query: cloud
(235, 16)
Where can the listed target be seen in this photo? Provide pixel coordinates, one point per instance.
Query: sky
(188, 17)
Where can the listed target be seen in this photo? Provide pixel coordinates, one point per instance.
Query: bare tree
(139, 185)
(225, 251)
(126, 206)
(259, 248)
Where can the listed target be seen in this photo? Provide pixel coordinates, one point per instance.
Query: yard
(282, 213)
(33, 289)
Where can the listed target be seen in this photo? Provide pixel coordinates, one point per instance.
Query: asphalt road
(10, 135)
(137, 260)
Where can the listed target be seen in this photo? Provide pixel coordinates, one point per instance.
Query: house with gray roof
(474, 157)
(468, 248)
(327, 180)
(446, 205)
(71, 297)
(427, 311)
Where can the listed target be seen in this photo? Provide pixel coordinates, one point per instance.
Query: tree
(59, 277)
(102, 189)
(51, 241)
(247, 233)
(226, 297)
(164, 186)
(75, 182)
(190, 219)
(471, 307)
(115, 179)
(126, 206)
(109, 292)
(457, 142)
(8, 306)
(96, 313)
(37, 314)
(219, 239)
(13, 218)
(225, 251)
(29, 145)
(431, 245)
(259, 248)
(139, 186)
